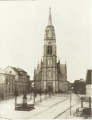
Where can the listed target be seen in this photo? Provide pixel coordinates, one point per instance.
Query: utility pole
(40, 91)
(34, 97)
(81, 102)
(34, 91)
(70, 102)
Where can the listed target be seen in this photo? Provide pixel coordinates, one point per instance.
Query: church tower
(49, 70)
(50, 75)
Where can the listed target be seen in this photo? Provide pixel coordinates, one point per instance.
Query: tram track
(49, 110)
(66, 110)
(49, 107)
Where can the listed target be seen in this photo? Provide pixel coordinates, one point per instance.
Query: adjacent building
(22, 79)
(50, 74)
(89, 77)
(7, 84)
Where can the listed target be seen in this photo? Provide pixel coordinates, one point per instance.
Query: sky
(22, 29)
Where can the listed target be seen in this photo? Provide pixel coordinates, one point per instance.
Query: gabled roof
(20, 70)
(13, 68)
(2, 71)
(17, 70)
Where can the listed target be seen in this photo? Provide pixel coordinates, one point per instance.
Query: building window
(6, 89)
(49, 49)
(6, 81)
(50, 62)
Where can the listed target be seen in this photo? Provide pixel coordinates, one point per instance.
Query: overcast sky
(22, 28)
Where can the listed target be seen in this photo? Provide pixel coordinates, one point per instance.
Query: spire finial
(50, 18)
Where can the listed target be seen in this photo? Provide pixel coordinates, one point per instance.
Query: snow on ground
(7, 106)
(59, 108)
(67, 115)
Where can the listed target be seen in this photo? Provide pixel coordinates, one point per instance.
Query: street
(53, 107)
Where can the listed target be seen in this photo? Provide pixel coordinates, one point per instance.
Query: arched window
(50, 49)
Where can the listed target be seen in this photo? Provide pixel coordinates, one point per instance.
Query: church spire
(50, 18)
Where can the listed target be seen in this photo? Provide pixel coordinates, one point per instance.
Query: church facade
(50, 74)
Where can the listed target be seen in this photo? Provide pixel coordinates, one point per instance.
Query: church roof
(63, 68)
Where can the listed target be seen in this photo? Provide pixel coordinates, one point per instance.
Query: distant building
(50, 74)
(69, 86)
(89, 77)
(80, 86)
(22, 79)
(7, 86)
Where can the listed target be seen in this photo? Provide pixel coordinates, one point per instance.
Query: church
(50, 74)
